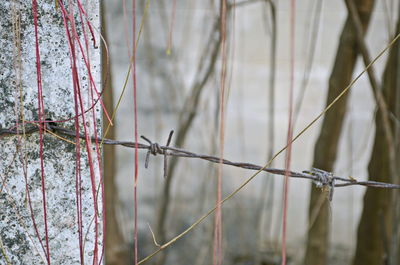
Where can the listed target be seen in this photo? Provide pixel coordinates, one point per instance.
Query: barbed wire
(321, 178)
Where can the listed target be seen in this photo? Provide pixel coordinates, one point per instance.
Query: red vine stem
(290, 130)
(171, 27)
(135, 129)
(77, 97)
(217, 250)
(41, 118)
(88, 144)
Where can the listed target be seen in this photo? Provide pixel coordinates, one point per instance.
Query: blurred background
(178, 82)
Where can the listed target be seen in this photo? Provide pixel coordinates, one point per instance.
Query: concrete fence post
(60, 181)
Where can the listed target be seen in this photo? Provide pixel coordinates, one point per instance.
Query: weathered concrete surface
(18, 241)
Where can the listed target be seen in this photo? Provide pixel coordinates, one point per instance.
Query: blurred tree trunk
(187, 116)
(326, 147)
(375, 225)
(116, 251)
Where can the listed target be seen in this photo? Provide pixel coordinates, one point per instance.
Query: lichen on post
(50, 188)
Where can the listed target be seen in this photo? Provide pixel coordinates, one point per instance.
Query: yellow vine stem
(169, 243)
(3, 251)
(129, 71)
(11, 200)
(123, 91)
(56, 136)
(121, 95)
(59, 137)
(154, 237)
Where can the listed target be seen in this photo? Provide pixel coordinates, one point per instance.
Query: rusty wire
(320, 177)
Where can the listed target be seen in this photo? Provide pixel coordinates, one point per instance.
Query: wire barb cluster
(325, 180)
(321, 178)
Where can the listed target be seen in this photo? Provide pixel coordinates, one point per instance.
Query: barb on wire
(155, 149)
(321, 178)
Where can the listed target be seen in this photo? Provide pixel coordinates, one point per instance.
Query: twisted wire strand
(320, 177)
